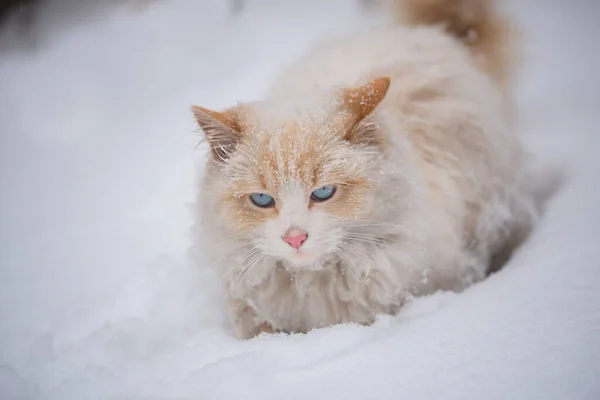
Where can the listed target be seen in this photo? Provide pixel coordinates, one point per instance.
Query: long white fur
(446, 197)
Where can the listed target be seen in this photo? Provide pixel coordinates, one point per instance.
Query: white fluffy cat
(380, 167)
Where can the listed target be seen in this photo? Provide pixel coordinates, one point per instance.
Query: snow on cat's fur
(410, 125)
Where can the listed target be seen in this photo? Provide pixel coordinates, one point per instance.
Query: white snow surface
(100, 298)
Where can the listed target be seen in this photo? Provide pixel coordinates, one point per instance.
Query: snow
(100, 299)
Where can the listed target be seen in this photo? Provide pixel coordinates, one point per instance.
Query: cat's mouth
(314, 260)
(308, 256)
(303, 258)
(311, 256)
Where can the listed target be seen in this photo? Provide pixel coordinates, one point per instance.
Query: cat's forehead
(293, 152)
(304, 119)
(292, 145)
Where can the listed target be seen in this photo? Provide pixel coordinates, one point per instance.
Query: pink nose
(295, 238)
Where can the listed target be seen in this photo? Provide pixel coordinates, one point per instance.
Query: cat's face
(290, 189)
(293, 188)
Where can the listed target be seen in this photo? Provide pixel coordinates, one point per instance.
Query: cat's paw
(245, 322)
(249, 331)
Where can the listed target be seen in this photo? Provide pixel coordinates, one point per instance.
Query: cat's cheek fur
(241, 216)
(350, 202)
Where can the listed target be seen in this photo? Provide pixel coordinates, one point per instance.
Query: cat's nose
(295, 237)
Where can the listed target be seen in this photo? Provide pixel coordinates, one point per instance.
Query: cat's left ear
(357, 104)
(221, 129)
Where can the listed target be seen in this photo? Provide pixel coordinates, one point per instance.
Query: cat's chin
(304, 261)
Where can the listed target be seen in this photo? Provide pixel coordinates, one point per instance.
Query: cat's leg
(244, 320)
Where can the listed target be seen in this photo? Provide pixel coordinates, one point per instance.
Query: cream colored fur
(438, 191)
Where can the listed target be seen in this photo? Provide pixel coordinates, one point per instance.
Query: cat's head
(291, 183)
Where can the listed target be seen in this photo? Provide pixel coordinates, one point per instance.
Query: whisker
(250, 254)
(255, 263)
(369, 223)
(379, 240)
(356, 251)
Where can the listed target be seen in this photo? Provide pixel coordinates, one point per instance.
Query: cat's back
(398, 52)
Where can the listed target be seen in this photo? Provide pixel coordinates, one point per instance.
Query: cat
(380, 167)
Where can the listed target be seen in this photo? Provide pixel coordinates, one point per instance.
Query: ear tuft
(221, 129)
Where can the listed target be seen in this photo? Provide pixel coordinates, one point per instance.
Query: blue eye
(323, 193)
(262, 200)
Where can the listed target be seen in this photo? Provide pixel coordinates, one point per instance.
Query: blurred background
(98, 164)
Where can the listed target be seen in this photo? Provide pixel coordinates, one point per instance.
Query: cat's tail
(476, 23)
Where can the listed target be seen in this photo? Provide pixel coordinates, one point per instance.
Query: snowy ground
(98, 298)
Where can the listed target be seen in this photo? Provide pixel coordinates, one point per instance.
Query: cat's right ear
(221, 129)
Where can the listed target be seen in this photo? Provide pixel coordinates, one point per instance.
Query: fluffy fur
(411, 124)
